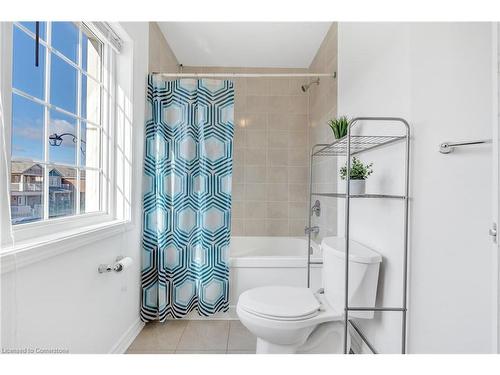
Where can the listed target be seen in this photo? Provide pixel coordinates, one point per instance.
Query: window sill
(35, 250)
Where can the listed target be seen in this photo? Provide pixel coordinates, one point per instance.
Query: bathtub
(260, 261)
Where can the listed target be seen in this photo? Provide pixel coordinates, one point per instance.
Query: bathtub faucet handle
(309, 230)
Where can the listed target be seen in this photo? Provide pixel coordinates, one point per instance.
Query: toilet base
(266, 347)
(327, 338)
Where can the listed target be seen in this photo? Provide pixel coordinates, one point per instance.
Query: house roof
(22, 167)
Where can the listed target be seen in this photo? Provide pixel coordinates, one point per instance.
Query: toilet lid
(280, 302)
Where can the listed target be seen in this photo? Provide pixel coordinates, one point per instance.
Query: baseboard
(126, 339)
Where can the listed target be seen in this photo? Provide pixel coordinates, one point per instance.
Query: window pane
(62, 138)
(90, 150)
(25, 75)
(63, 84)
(91, 100)
(91, 55)
(65, 39)
(62, 189)
(89, 190)
(27, 129)
(31, 27)
(26, 192)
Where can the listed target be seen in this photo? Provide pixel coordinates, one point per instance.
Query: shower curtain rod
(248, 75)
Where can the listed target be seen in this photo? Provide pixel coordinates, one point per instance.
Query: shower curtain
(187, 197)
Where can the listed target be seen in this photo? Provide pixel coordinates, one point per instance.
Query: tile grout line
(180, 337)
(228, 334)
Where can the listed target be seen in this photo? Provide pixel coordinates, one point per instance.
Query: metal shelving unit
(347, 147)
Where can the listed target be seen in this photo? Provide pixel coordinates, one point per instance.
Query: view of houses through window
(56, 122)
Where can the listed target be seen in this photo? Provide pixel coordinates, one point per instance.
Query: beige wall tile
(277, 227)
(256, 139)
(255, 192)
(297, 210)
(257, 104)
(238, 157)
(298, 174)
(238, 227)
(255, 174)
(297, 122)
(240, 87)
(277, 192)
(240, 105)
(277, 210)
(238, 175)
(255, 227)
(238, 191)
(298, 104)
(240, 120)
(277, 122)
(255, 156)
(258, 86)
(298, 139)
(277, 174)
(279, 104)
(277, 157)
(239, 139)
(296, 227)
(238, 210)
(256, 209)
(279, 86)
(297, 192)
(277, 139)
(298, 157)
(256, 121)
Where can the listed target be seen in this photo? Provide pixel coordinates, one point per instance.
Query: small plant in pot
(358, 174)
(339, 126)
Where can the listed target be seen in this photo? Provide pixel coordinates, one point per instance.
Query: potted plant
(358, 174)
(339, 126)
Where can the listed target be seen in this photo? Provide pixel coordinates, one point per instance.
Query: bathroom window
(57, 122)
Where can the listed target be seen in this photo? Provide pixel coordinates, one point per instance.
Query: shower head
(304, 88)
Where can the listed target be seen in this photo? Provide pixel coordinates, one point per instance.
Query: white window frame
(57, 227)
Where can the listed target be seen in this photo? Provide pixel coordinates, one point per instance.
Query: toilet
(288, 319)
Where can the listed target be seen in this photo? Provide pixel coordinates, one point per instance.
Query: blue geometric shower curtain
(187, 197)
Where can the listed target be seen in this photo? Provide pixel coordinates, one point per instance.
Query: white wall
(62, 302)
(439, 77)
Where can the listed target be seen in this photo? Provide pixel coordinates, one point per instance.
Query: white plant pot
(357, 187)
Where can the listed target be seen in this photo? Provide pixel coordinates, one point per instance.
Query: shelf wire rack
(359, 144)
(347, 147)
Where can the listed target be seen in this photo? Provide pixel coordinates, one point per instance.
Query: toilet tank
(364, 264)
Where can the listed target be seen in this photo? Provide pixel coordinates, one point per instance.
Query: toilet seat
(282, 303)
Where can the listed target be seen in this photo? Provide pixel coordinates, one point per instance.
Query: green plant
(339, 126)
(359, 170)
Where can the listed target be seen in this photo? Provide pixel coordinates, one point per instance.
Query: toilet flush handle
(493, 232)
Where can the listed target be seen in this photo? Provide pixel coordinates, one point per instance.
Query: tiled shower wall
(323, 107)
(270, 153)
(275, 126)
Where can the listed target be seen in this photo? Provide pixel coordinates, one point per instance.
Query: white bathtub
(260, 261)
